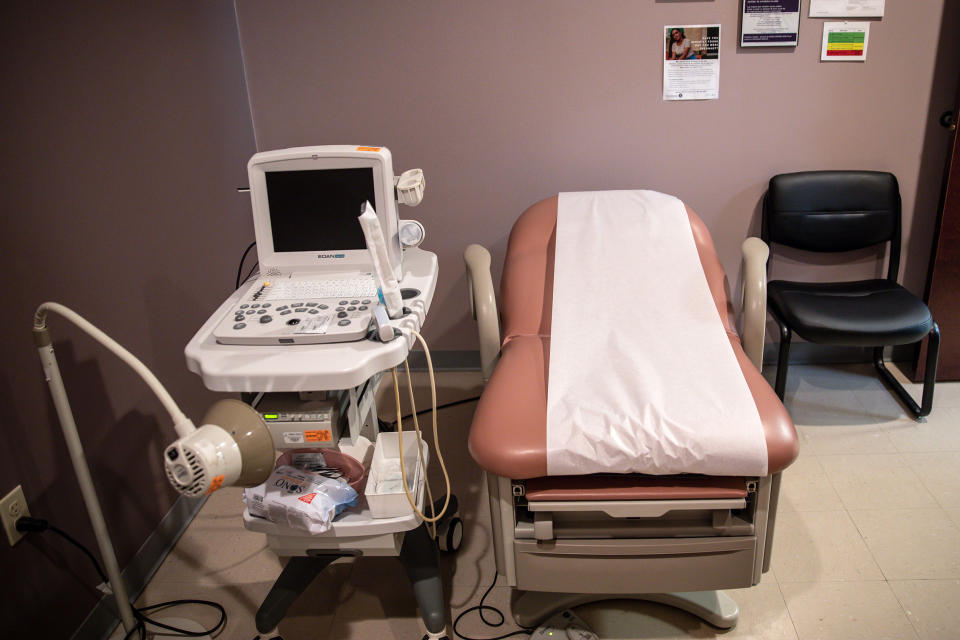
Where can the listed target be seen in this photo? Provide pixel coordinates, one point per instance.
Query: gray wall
(503, 103)
(126, 131)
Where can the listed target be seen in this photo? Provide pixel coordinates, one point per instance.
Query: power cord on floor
(480, 607)
(38, 525)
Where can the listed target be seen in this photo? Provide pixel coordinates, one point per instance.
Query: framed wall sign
(770, 23)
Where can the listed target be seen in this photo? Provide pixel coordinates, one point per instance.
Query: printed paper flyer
(691, 65)
(846, 8)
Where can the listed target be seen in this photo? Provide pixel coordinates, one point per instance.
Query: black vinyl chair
(833, 211)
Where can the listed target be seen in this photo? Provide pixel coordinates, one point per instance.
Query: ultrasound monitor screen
(317, 210)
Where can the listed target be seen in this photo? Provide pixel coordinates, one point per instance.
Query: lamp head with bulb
(233, 447)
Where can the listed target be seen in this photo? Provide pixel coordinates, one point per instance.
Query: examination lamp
(232, 447)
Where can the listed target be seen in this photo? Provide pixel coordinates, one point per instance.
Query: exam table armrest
(483, 306)
(753, 289)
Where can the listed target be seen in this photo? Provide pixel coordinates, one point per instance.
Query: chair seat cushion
(864, 313)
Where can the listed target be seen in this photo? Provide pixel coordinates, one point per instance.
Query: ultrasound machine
(315, 284)
(307, 341)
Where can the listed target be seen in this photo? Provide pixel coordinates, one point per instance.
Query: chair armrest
(483, 306)
(753, 289)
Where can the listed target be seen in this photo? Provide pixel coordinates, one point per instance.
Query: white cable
(182, 424)
(436, 437)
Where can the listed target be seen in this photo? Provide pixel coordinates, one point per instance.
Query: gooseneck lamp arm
(181, 422)
(183, 425)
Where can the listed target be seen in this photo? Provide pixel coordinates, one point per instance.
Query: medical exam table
(566, 540)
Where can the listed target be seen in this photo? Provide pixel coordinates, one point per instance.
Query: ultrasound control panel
(262, 319)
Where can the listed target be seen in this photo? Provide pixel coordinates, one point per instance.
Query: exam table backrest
(512, 411)
(525, 306)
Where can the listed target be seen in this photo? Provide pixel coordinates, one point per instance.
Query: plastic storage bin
(392, 505)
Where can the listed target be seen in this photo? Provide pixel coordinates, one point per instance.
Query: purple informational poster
(770, 23)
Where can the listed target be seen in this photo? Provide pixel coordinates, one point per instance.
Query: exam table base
(531, 608)
(418, 555)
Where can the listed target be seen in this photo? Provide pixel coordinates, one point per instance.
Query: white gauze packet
(390, 478)
(299, 499)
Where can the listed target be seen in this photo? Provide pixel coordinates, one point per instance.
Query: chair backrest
(834, 211)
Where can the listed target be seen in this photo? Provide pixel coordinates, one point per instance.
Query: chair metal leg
(783, 358)
(930, 370)
(929, 376)
(771, 520)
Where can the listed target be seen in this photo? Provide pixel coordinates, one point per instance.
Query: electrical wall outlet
(12, 507)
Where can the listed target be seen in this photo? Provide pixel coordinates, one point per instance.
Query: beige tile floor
(867, 542)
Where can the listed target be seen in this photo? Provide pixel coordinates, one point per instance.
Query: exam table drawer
(636, 566)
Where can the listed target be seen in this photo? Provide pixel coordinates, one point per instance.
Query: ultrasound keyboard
(364, 286)
(300, 312)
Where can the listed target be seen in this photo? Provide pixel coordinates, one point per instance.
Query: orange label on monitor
(368, 148)
(215, 484)
(320, 435)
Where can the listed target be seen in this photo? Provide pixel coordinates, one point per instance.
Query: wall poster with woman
(691, 66)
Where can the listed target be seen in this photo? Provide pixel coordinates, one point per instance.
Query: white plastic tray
(355, 522)
(391, 505)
